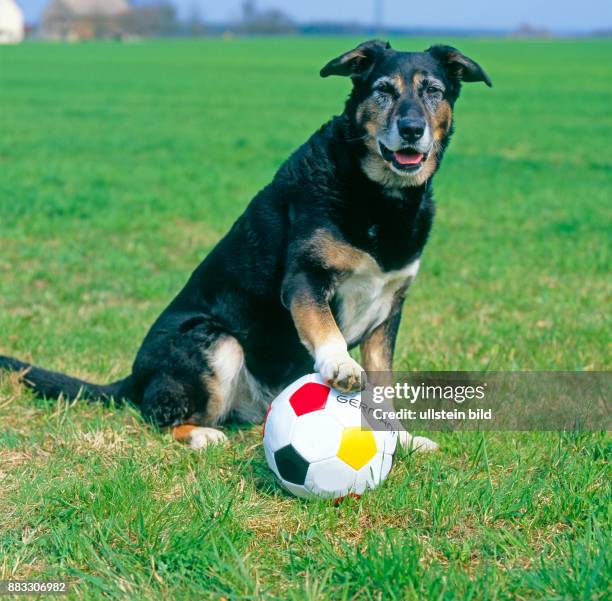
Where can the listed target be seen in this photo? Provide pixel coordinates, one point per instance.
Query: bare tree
(268, 21)
(195, 23)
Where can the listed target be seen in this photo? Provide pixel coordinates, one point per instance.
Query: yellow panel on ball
(357, 447)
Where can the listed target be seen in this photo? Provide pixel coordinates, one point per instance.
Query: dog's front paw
(339, 369)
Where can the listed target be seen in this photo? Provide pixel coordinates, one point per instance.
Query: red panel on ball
(310, 397)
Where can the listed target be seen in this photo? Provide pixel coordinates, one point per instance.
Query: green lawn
(121, 165)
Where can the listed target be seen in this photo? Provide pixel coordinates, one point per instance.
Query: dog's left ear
(459, 66)
(357, 62)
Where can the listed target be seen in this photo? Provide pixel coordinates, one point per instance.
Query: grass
(122, 165)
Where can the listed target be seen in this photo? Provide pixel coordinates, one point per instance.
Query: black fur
(243, 287)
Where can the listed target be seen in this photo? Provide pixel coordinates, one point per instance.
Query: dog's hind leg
(199, 394)
(226, 361)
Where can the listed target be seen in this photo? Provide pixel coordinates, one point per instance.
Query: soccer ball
(315, 444)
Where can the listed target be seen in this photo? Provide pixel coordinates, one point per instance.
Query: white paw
(202, 437)
(419, 444)
(339, 369)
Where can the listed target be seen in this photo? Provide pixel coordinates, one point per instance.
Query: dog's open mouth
(405, 159)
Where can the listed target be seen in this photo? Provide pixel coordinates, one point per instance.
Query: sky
(556, 15)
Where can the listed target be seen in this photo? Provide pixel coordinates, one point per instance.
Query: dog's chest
(365, 298)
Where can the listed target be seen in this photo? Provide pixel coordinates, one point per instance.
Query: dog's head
(401, 106)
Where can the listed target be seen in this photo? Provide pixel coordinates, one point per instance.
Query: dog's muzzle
(406, 159)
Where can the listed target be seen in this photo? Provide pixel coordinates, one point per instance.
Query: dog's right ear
(458, 66)
(357, 62)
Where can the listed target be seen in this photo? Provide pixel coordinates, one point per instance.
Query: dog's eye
(386, 88)
(433, 90)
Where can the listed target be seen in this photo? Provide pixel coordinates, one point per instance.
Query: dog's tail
(51, 384)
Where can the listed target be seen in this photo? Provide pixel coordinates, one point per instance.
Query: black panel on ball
(291, 465)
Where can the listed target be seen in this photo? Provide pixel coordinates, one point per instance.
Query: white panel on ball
(372, 474)
(386, 441)
(316, 436)
(270, 459)
(330, 478)
(345, 408)
(296, 489)
(279, 425)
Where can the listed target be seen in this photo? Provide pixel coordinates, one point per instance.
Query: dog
(319, 262)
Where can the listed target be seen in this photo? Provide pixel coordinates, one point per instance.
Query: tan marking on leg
(182, 433)
(197, 437)
(320, 334)
(333, 252)
(315, 323)
(226, 360)
(377, 347)
(376, 350)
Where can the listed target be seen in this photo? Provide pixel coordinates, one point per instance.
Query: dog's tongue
(404, 157)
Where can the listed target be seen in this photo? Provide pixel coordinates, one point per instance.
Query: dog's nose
(411, 128)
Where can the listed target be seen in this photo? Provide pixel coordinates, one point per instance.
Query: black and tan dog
(319, 262)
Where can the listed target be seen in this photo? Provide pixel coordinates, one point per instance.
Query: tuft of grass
(123, 164)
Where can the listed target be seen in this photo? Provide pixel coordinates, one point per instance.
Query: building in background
(83, 19)
(11, 22)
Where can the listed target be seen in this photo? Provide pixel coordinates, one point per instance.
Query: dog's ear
(357, 62)
(457, 65)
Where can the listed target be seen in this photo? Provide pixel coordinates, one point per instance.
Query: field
(122, 165)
